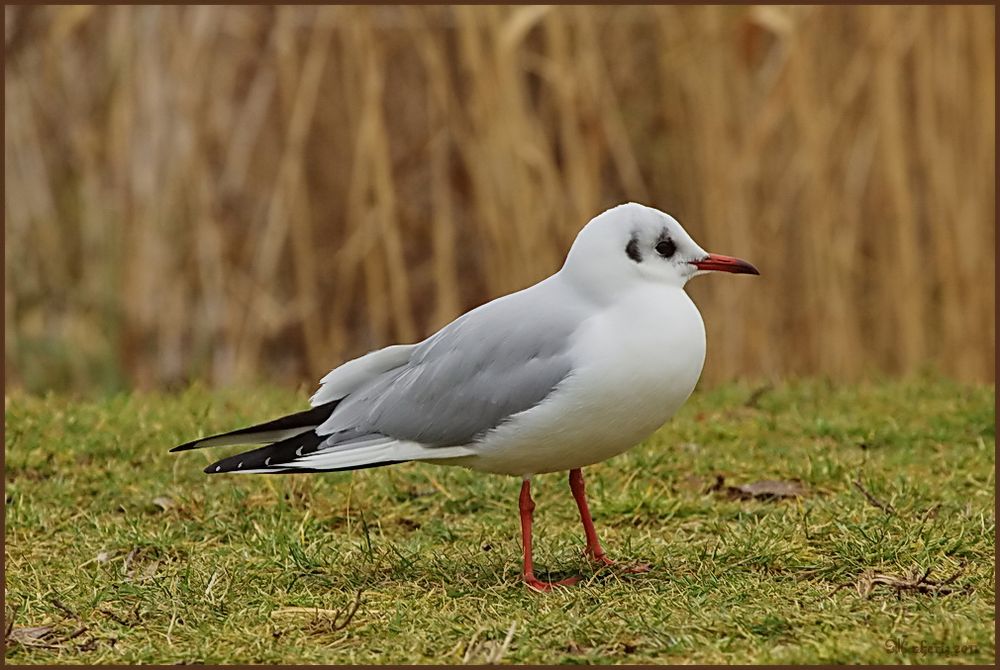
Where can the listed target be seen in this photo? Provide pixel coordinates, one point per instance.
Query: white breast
(635, 365)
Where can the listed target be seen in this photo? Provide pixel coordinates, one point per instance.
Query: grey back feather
(470, 376)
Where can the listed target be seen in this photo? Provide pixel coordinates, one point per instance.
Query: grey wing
(466, 379)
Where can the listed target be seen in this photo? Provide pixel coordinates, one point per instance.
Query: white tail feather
(339, 457)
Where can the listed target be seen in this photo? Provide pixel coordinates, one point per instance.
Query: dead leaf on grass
(29, 636)
(914, 581)
(767, 489)
(149, 571)
(164, 503)
(46, 637)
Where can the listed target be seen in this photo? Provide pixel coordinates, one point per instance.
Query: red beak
(720, 263)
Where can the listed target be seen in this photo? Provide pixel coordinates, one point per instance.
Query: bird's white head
(633, 243)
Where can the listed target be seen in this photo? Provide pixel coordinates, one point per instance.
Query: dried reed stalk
(244, 193)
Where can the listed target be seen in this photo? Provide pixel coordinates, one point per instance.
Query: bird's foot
(603, 560)
(545, 587)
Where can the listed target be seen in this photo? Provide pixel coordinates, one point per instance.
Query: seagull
(567, 373)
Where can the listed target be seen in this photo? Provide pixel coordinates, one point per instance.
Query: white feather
(375, 452)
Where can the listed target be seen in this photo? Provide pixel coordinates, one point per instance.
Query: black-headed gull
(564, 374)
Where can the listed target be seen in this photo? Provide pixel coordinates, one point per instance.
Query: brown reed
(251, 193)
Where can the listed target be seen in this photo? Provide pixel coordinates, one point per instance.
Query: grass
(108, 533)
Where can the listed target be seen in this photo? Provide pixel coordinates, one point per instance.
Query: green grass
(436, 555)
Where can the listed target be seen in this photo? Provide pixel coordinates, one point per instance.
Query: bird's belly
(629, 383)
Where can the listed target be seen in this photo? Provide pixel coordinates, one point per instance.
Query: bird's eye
(666, 248)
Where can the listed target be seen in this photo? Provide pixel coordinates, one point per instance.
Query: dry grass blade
(338, 618)
(884, 506)
(65, 610)
(754, 398)
(489, 652)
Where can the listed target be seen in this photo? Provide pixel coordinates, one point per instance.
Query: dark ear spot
(632, 249)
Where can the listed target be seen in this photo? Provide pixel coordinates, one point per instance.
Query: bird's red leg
(527, 507)
(594, 550)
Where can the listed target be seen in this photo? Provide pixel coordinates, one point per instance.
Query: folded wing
(439, 398)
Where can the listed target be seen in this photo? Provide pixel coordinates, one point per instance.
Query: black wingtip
(306, 419)
(269, 456)
(193, 444)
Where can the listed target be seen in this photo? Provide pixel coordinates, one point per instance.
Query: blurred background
(240, 195)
